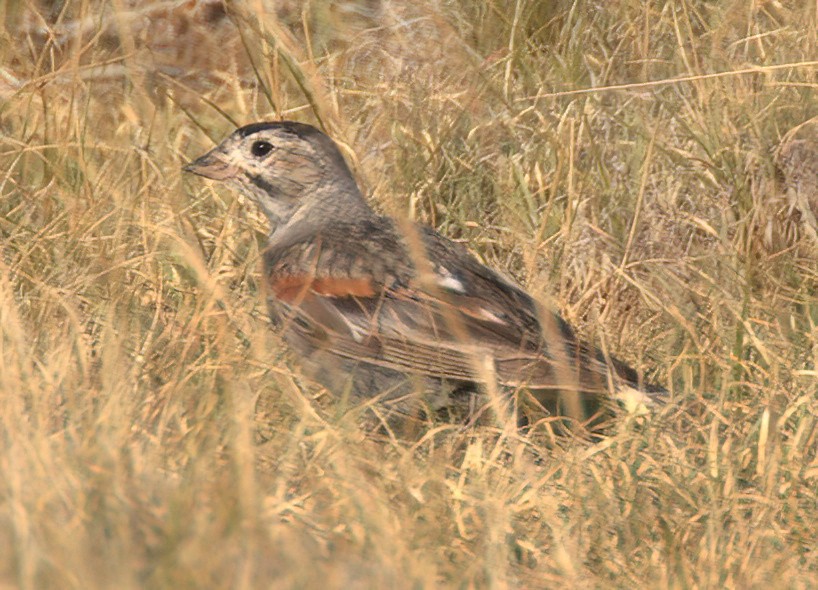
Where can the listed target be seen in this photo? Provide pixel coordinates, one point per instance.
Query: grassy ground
(586, 148)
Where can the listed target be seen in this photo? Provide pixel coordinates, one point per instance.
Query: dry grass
(134, 347)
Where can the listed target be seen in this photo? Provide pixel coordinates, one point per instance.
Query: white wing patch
(447, 280)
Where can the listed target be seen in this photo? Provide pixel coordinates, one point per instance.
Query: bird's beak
(212, 165)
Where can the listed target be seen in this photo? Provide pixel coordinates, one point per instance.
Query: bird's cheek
(294, 166)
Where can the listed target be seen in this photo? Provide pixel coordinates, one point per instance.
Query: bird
(377, 308)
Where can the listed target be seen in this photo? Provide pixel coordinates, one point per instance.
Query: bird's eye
(261, 148)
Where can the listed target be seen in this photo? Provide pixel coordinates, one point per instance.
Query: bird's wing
(447, 317)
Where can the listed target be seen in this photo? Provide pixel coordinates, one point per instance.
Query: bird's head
(283, 166)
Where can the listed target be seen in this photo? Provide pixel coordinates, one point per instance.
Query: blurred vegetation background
(647, 167)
